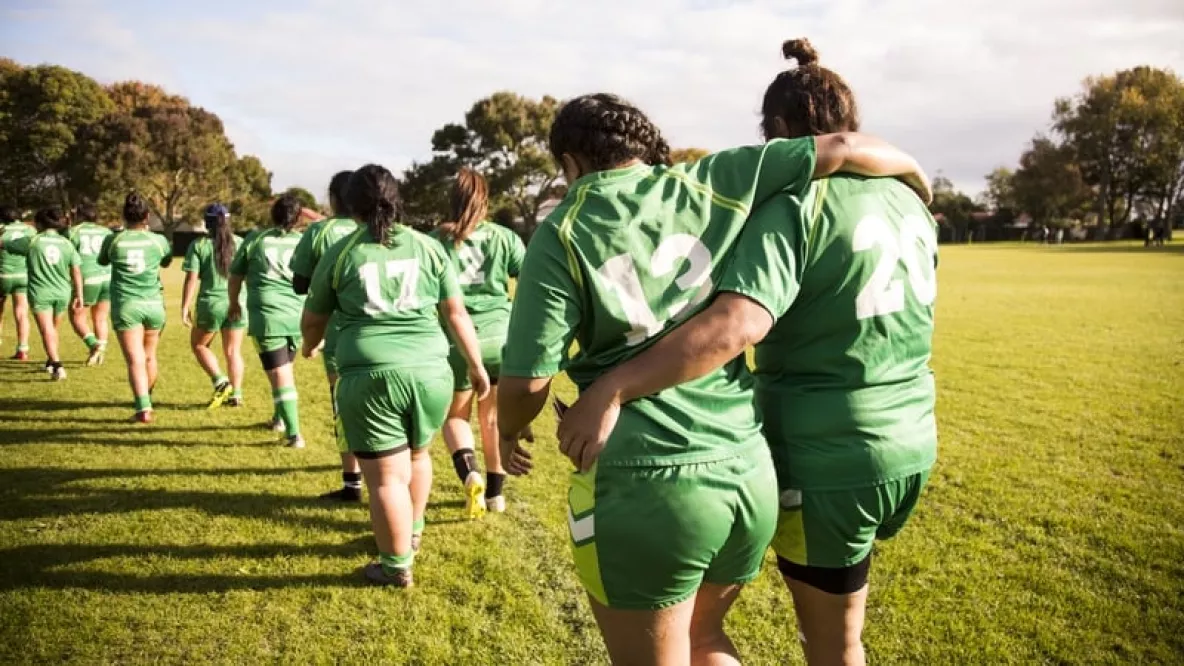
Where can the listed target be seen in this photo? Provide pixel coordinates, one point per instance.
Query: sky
(314, 86)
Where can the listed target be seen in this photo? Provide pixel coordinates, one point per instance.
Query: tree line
(1112, 155)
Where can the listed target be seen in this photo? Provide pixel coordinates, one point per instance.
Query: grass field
(1052, 530)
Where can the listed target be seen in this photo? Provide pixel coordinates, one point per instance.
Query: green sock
(391, 562)
(238, 393)
(220, 380)
(143, 403)
(90, 341)
(288, 409)
(22, 348)
(417, 526)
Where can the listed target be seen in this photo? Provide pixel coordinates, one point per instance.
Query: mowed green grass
(1052, 530)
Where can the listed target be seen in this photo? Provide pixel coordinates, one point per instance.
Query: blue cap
(216, 211)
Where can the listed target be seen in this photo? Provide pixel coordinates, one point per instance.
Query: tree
(42, 111)
(251, 201)
(1049, 185)
(1127, 136)
(953, 207)
(505, 138)
(307, 199)
(1000, 193)
(688, 154)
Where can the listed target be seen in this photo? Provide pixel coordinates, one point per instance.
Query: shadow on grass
(49, 566)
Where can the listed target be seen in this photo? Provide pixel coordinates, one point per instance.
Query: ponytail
(470, 205)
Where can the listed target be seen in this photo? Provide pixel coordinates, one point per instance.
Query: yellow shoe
(474, 496)
(221, 395)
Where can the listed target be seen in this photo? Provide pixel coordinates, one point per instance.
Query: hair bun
(800, 50)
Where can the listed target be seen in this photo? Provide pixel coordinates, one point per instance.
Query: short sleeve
(546, 313)
(322, 297)
(238, 265)
(104, 257)
(166, 251)
(192, 263)
(303, 260)
(750, 175)
(449, 286)
(769, 256)
(19, 246)
(516, 252)
(75, 258)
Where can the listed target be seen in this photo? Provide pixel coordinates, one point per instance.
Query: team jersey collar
(612, 175)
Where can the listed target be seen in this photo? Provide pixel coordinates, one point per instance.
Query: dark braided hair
(337, 192)
(285, 212)
(135, 209)
(372, 197)
(606, 131)
(811, 100)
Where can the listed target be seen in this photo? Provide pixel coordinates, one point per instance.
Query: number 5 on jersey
(404, 272)
(914, 245)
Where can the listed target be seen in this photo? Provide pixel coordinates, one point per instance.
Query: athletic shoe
(58, 373)
(378, 576)
(20, 356)
(295, 442)
(474, 496)
(277, 425)
(496, 504)
(343, 494)
(98, 354)
(234, 402)
(221, 394)
(48, 367)
(144, 417)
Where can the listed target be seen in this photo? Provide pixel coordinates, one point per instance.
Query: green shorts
(210, 315)
(836, 528)
(14, 284)
(58, 304)
(136, 314)
(276, 342)
(386, 411)
(329, 351)
(491, 358)
(93, 293)
(646, 538)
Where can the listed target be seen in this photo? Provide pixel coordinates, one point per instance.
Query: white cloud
(326, 85)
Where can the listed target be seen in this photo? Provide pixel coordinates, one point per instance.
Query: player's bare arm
(188, 290)
(519, 402)
(76, 280)
(234, 288)
(460, 326)
(312, 331)
(866, 155)
(706, 342)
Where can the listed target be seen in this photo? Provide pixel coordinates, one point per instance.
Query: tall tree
(954, 207)
(307, 199)
(42, 111)
(505, 138)
(1049, 185)
(1127, 134)
(250, 201)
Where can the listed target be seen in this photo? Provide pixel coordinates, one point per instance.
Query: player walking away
(675, 517)
(485, 257)
(136, 256)
(54, 279)
(848, 273)
(14, 280)
(390, 288)
(206, 267)
(88, 236)
(274, 309)
(312, 246)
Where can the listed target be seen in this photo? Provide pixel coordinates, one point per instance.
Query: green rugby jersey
(319, 236)
(263, 259)
(484, 263)
(13, 265)
(385, 299)
(627, 255)
(48, 257)
(199, 258)
(135, 257)
(88, 239)
(848, 270)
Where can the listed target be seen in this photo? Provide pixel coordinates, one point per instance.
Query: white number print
(915, 247)
(277, 262)
(52, 255)
(91, 245)
(406, 271)
(473, 259)
(621, 275)
(135, 261)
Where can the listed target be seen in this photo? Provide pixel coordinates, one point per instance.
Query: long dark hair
(222, 237)
(86, 212)
(135, 209)
(469, 205)
(7, 214)
(337, 193)
(606, 131)
(809, 99)
(51, 219)
(372, 197)
(285, 212)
